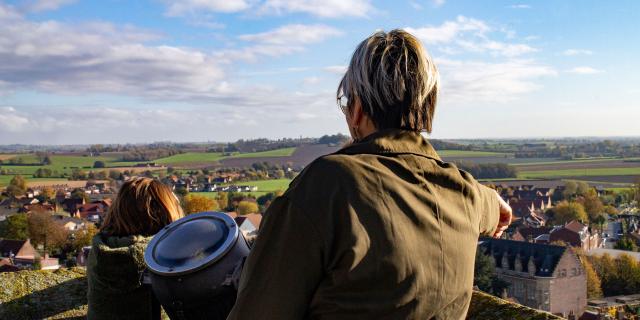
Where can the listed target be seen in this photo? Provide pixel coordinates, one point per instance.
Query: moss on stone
(62, 294)
(485, 306)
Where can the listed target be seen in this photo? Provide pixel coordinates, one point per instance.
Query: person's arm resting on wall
(284, 268)
(495, 213)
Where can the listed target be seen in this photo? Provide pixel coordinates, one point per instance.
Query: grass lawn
(579, 172)
(471, 154)
(285, 152)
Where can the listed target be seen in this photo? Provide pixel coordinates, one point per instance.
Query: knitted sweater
(113, 272)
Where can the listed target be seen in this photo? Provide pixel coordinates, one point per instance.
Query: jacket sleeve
(284, 267)
(488, 208)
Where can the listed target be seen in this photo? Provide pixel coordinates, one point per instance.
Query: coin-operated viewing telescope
(194, 265)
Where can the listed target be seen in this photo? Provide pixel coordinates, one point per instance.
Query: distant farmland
(600, 170)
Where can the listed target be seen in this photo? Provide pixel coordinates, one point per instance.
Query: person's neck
(367, 129)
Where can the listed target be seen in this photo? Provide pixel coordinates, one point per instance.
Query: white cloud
(415, 5)
(340, 70)
(584, 70)
(11, 121)
(478, 81)
(437, 3)
(105, 124)
(278, 42)
(449, 30)
(189, 7)
(311, 81)
(520, 6)
(293, 34)
(46, 5)
(320, 8)
(470, 35)
(575, 52)
(100, 57)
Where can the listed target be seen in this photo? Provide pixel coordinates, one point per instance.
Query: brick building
(545, 277)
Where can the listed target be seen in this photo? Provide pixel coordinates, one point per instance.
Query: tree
(78, 193)
(246, 207)
(115, 175)
(182, 191)
(46, 160)
(48, 193)
(195, 203)
(44, 230)
(223, 200)
(594, 286)
(575, 188)
(15, 227)
(17, 186)
(84, 237)
(484, 275)
(626, 243)
(78, 174)
(99, 164)
(592, 204)
(566, 211)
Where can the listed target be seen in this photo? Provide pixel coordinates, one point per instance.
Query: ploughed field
(602, 171)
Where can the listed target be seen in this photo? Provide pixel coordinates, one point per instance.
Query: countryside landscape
(151, 142)
(608, 163)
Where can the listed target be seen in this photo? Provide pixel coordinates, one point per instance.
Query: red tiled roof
(255, 218)
(575, 226)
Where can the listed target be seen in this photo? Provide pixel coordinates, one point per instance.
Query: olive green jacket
(382, 229)
(113, 273)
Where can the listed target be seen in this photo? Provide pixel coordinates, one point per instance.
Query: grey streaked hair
(394, 79)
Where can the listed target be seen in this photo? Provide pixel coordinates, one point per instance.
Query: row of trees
(240, 203)
(619, 275)
(489, 170)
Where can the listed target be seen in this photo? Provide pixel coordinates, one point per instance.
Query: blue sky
(116, 71)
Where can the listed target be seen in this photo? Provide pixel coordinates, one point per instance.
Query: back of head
(143, 207)
(394, 79)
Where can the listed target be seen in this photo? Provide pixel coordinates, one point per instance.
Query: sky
(121, 71)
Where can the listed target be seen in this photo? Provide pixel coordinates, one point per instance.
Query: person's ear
(356, 113)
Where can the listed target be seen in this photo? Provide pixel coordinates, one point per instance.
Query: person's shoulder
(325, 174)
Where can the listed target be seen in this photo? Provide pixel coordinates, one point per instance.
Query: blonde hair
(394, 79)
(143, 207)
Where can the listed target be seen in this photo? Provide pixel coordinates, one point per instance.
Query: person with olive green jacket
(383, 228)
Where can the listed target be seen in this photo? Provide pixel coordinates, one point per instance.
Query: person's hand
(505, 217)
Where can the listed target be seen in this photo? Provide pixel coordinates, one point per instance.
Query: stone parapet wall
(61, 294)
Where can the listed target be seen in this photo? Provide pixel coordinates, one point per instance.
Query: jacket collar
(392, 141)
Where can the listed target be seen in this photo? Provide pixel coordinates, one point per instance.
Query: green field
(592, 160)
(285, 152)
(191, 157)
(264, 187)
(471, 154)
(579, 172)
(211, 157)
